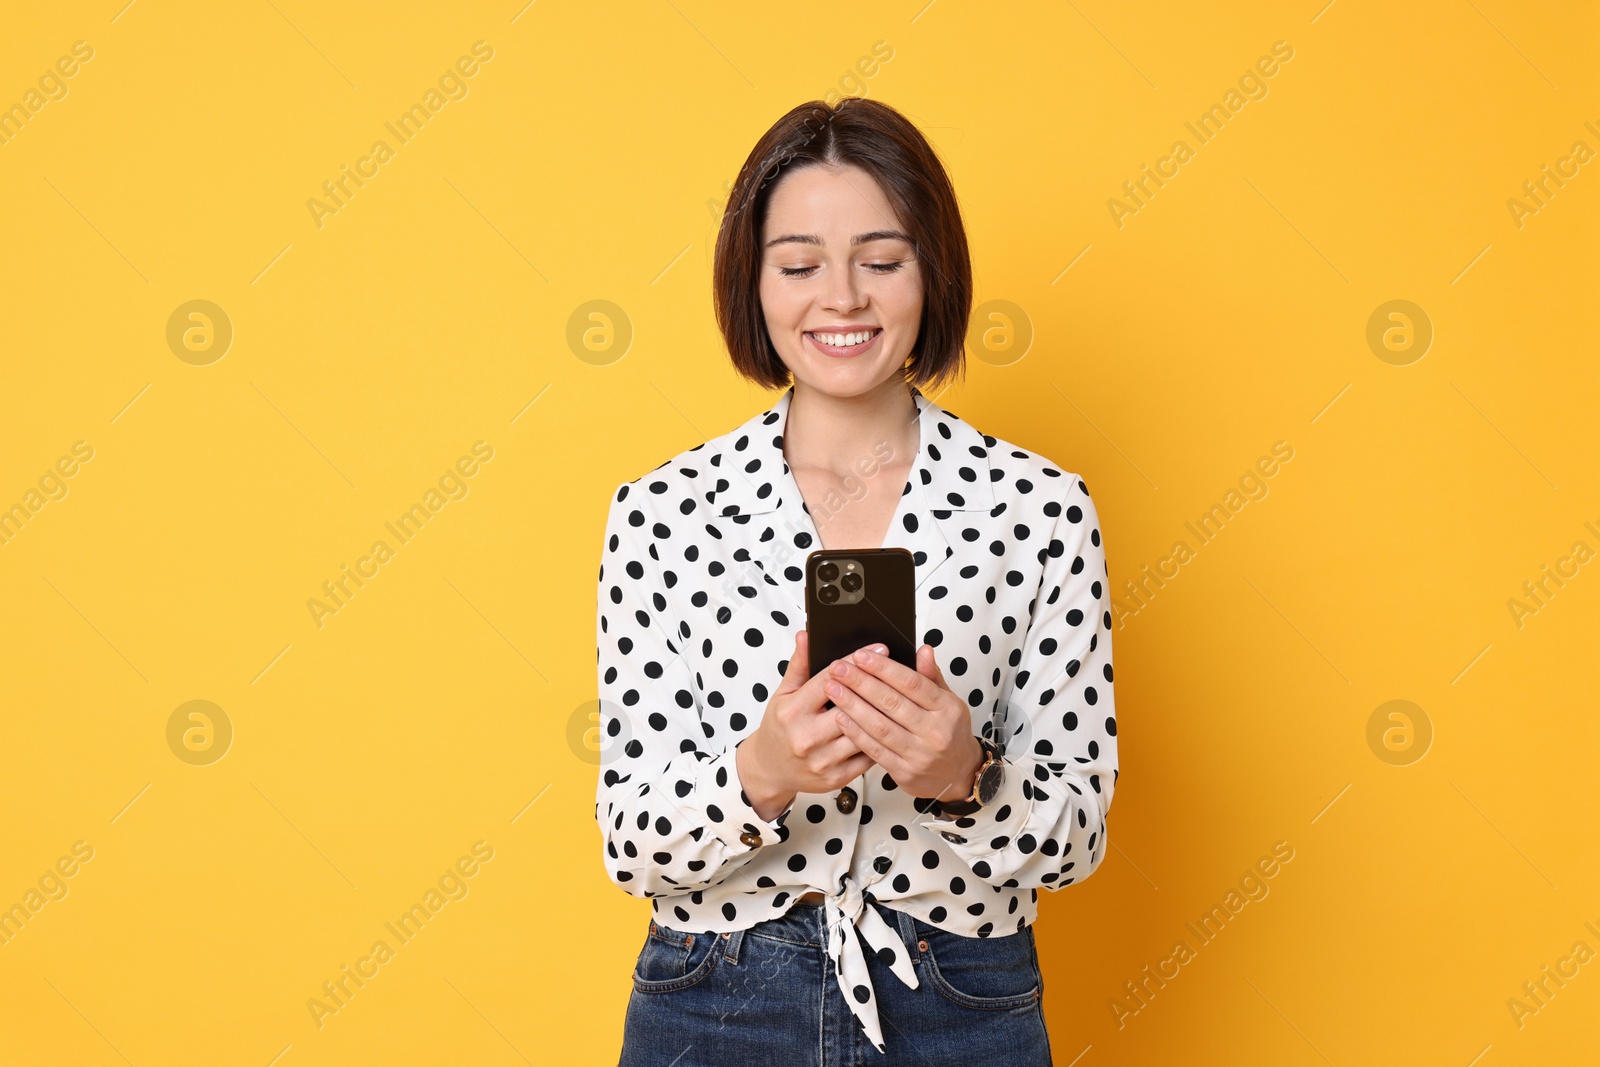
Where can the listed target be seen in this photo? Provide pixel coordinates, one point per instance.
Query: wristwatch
(985, 786)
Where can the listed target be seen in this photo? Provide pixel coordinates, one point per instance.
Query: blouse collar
(950, 475)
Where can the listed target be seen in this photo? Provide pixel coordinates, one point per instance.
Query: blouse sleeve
(1047, 828)
(674, 816)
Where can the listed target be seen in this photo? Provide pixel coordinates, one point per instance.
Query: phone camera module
(840, 581)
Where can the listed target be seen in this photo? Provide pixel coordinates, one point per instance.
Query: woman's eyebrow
(858, 239)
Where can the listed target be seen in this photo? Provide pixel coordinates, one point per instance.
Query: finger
(813, 694)
(858, 766)
(928, 666)
(847, 769)
(881, 696)
(819, 726)
(799, 664)
(873, 732)
(916, 688)
(837, 752)
(870, 747)
(911, 685)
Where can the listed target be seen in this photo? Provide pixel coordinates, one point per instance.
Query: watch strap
(970, 803)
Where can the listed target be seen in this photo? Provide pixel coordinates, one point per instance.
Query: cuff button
(750, 839)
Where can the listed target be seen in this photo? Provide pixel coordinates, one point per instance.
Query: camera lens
(828, 572)
(828, 594)
(851, 582)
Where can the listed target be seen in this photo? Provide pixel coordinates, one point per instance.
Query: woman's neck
(836, 433)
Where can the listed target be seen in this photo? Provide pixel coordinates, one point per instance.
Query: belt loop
(730, 945)
(908, 933)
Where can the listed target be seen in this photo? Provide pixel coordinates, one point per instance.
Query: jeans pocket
(989, 973)
(673, 959)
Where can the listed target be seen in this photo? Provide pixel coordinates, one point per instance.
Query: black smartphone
(859, 597)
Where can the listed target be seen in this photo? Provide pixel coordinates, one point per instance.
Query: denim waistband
(806, 923)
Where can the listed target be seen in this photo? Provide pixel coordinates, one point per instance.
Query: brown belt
(813, 897)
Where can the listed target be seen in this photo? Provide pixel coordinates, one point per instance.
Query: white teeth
(844, 340)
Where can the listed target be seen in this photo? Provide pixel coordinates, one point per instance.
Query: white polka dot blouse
(701, 591)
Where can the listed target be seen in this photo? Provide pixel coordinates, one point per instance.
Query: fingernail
(864, 656)
(882, 650)
(840, 669)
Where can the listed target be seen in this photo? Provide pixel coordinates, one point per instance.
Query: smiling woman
(891, 825)
(850, 204)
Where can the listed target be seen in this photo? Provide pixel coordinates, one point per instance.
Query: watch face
(989, 782)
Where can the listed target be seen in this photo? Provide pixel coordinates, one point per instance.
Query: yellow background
(437, 708)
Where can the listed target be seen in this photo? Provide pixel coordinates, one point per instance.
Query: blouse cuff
(727, 808)
(992, 827)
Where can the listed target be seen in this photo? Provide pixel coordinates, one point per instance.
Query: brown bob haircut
(884, 143)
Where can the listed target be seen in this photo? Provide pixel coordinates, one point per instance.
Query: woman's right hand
(797, 747)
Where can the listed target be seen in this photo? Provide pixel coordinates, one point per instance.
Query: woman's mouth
(846, 344)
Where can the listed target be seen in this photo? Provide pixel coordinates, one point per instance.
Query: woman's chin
(845, 377)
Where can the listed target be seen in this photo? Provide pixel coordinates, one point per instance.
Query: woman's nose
(844, 294)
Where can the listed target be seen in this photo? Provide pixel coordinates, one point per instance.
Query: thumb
(928, 667)
(799, 669)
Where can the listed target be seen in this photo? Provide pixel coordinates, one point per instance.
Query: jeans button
(846, 800)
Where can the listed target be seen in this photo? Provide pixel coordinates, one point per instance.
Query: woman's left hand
(908, 721)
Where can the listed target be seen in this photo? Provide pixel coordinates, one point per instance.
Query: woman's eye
(800, 272)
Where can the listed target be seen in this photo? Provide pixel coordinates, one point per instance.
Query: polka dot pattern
(700, 594)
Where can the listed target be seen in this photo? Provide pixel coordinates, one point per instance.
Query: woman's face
(815, 279)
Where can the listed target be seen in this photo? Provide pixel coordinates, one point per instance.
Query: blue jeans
(768, 996)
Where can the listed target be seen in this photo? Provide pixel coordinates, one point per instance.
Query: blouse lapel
(755, 489)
